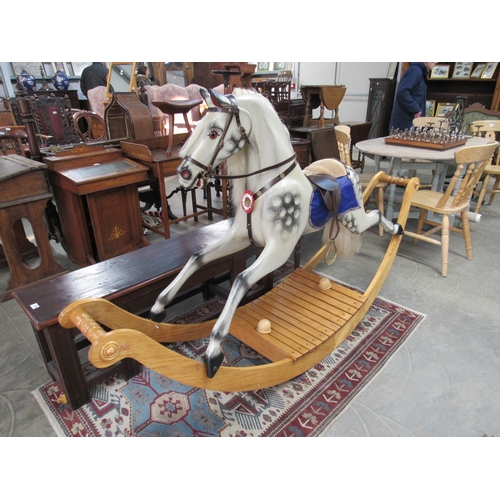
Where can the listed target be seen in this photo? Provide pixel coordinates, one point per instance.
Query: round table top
(379, 147)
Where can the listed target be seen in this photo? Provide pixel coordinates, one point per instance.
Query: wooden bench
(133, 282)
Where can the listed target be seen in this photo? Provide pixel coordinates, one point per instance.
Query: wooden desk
(24, 193)
(98, 203)
(323, 143)
(133, 281)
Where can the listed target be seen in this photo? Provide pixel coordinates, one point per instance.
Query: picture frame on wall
(279, 66)
(489, 70)
(430, 108)
(462, 70)
(33, 68)
(478, 70)
(263, 66)
(443, 108)
(440, 71)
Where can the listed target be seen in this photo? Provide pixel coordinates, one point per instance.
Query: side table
(24, 193)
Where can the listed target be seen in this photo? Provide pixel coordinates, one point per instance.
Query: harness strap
(262, 190)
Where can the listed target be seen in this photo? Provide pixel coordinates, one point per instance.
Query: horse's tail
(345, 244)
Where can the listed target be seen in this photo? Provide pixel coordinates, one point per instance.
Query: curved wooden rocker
(308, 323)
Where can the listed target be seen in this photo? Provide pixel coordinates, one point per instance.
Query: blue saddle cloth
(319, 215)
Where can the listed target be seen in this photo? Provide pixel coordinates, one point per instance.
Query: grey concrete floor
(442, 382)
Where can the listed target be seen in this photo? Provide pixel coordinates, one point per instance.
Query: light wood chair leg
(482, 193)
(445, 244)
(420, 222)
(494, 190)
(380, 206)
(466, 233)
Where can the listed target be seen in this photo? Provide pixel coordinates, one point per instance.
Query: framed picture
(443, 108)
(279, 66)
(430, 108)
(462, 70)
(78, 67)
(489, 70)
(440, 71)
(263, 66)
(33, 68)
(478, 70)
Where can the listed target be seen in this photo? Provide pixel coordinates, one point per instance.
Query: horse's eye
(213, 134)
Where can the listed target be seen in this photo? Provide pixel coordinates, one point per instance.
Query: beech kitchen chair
(489, 129)
(471, 162)
(343, 136)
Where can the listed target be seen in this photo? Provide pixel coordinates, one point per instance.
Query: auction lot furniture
(95, 190)
(24, 193)
(415, 158)
(133, 282)
(322, 96)
(471, 162)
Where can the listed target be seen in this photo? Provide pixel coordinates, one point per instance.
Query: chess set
(438, 138)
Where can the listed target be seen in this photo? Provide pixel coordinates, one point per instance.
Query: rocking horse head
(222, 133)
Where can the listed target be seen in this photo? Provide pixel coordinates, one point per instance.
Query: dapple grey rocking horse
(275, 202)
(305, 316)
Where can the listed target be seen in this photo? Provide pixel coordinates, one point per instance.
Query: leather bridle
(209, 171)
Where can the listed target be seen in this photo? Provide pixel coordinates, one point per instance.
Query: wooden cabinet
(98, 203)
(485, 91)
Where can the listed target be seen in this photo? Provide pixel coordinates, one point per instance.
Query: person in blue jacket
(410, 96)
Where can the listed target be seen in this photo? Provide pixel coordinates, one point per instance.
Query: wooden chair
(491, 130)
(471, 162)
(343, 135)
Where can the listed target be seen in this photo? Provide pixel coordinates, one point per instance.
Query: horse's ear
(219, 100)
(206, 96)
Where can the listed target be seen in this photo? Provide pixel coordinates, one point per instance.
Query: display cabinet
(479, 82)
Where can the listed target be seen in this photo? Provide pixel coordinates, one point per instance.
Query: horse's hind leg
(358, 221)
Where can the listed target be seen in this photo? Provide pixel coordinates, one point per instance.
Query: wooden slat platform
(301, 314)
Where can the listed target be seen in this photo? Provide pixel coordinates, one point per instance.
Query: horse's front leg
(272, 257)
(228, 245)
(358, 221)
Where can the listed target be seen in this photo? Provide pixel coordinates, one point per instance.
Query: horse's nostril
(186, 174)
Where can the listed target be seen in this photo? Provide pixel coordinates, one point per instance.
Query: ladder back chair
(491, 130)
(471, 162)
(343, 136)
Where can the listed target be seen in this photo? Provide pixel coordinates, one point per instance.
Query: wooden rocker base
(307, 323)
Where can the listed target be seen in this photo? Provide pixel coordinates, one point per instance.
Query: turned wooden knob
(325, 284)
(264, 326)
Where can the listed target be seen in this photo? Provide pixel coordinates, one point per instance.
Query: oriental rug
(152, 405)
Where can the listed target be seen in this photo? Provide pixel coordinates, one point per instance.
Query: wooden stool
(172, 108)
(24, 193)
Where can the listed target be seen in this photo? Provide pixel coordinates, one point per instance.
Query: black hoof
(400, 231)
(213, 363)
(158, 317)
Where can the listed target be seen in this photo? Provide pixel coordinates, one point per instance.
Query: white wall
(354, 75)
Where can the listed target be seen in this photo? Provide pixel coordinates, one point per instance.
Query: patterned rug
(152, 405)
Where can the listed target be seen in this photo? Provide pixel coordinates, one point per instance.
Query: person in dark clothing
(93, 76)
(410, 96)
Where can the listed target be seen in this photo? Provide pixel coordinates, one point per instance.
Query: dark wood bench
(132, 281)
